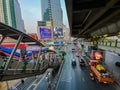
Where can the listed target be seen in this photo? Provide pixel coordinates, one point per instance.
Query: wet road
(77, 78)
(43, 85)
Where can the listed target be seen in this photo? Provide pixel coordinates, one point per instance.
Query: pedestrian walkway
(26, 83)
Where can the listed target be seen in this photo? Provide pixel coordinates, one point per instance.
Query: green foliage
(62, 52)
(106, 40)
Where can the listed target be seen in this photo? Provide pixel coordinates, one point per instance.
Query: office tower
(11, 14)
(51, 10)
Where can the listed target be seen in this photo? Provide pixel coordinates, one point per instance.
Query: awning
(11, 45)
(48, 50)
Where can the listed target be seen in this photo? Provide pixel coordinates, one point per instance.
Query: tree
(63, 53)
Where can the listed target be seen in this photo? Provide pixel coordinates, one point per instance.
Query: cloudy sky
(31, 13)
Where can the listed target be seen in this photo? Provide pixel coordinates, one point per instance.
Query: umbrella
(48, 50)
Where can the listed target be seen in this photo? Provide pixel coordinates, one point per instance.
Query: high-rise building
(66, 34)
(57, 15)
(1, 12)
(10, 14)
(45, 6)
(51, 10)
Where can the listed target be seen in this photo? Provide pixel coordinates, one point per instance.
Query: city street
(77, 78)
(60, 45)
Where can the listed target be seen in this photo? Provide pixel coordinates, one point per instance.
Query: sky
(31, 13)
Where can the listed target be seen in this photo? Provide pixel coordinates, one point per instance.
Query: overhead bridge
(93, 18)
(11, 68)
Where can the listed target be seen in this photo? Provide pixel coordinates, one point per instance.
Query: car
(82, 62)
(73, 62)
(117, 64)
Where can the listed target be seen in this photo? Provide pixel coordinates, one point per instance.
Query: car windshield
(82, 60)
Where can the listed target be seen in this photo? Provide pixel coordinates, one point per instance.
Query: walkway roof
(88, 18)
(8, 31)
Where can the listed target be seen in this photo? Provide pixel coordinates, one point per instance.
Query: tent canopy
(11, 45)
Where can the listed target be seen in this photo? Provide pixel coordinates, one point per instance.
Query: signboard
(58, 43)
(33, 48)
(45, 32)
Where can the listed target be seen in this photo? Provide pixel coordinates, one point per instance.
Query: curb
(59, 74)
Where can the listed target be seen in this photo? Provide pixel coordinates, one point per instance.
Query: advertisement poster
(58, 33)
(45, 32)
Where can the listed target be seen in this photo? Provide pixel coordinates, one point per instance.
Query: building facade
(57, 14)
(11, 14)
(66, 34)
(45, 6)
(51, 10)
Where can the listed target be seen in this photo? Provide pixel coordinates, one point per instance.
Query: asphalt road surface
(77, 78)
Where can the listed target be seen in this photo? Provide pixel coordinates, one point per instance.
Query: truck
(99, 72)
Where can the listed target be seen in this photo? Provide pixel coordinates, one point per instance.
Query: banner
(45, 32)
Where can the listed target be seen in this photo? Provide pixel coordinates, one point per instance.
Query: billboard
(45, 32)
(58, 33)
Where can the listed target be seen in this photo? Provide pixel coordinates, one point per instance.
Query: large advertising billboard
(45, 32)
(58, 33)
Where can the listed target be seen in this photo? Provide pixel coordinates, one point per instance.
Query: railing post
(97, 43)
(102, 42)
(110, 43)
(116, 43)
(106, 44)
(2, 39)
(13, 52)
(37, 62)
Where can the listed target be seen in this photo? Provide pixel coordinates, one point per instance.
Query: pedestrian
(22, 81)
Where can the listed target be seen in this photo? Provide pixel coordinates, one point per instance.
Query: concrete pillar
(104, 52)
